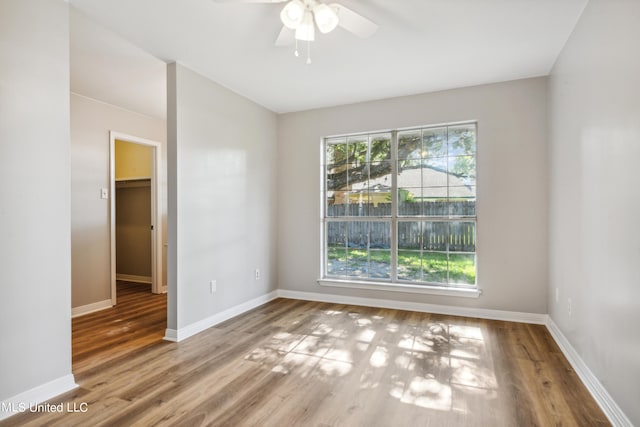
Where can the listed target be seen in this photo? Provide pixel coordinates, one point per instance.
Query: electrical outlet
(213, 286)
(557, 295)
(257, 274)
(569, 306)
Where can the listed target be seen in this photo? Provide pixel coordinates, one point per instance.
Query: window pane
(462, 170)
(434, 172)
(409, 253)
(358, 203)
(462, 269)
(336, 158)
(333, 208)
(337, 234)
(466, 192)
(336, 166)
(380, 176)
(409, 173)
(435, 202)
(336, 153)
(379, 205)
(380, 148)
(409, 265)
(434, 193)
(380, 267)
(336, 248)
(462, 237)
(380, 235)
(409, 235)
(358, 234)
(380, 189)
(434, 142)
(358, 150)
(462, 140)
(409, 145)
(380, 250)
(435, 236)
(358, 263)
(334, 177)
(337, 203)
(462, 247)
(358, 176)
(434, 265)
(462, 201)
(357, 248)
(336, 261)
(409, 202)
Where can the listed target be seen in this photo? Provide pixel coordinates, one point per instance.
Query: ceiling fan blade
(354, 22)
(249, 1)
(286, 37)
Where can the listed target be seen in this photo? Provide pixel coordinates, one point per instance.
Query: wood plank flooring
(297, 363)
(137, 321)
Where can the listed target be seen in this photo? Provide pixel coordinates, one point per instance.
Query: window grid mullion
(394, 207)
(446, 141)
(324, 208)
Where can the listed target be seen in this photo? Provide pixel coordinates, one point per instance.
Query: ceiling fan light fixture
(292, 14)
(326, 18)
(306, 29)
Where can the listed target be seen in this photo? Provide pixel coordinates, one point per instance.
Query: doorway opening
(135, 215)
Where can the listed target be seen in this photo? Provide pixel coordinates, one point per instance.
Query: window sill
(402, 287)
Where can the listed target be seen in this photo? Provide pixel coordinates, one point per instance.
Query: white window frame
(392, 284)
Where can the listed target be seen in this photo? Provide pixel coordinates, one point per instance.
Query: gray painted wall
(512, 187)
(222, 169)
(595, 195)
(35, 254)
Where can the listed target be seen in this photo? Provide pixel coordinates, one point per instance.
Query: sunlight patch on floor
(443, 358)
(366, 335)
(435, 365)
(379, 358)
(428, 393)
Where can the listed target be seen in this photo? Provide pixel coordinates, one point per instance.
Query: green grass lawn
(432, 265)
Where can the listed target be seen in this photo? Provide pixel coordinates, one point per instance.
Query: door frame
(157, 286)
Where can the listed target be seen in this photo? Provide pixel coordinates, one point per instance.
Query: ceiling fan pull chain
(296, 53)
(308, 51)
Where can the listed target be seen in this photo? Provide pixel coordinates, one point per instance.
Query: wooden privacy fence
(455, 236)
(429, 208)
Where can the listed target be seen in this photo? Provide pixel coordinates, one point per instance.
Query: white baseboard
(39, 394)
(90, 308)
(194, 328)
(482, 313)
(133, 278)
(597, 390)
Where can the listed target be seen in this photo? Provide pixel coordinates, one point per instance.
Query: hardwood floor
(137, 321)
(297, 363)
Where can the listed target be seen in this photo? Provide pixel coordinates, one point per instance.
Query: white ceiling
(106, 67)
(421, 46)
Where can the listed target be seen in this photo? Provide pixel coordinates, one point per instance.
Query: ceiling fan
(301, 17)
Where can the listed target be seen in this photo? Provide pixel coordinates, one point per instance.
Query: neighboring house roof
(432, 181)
